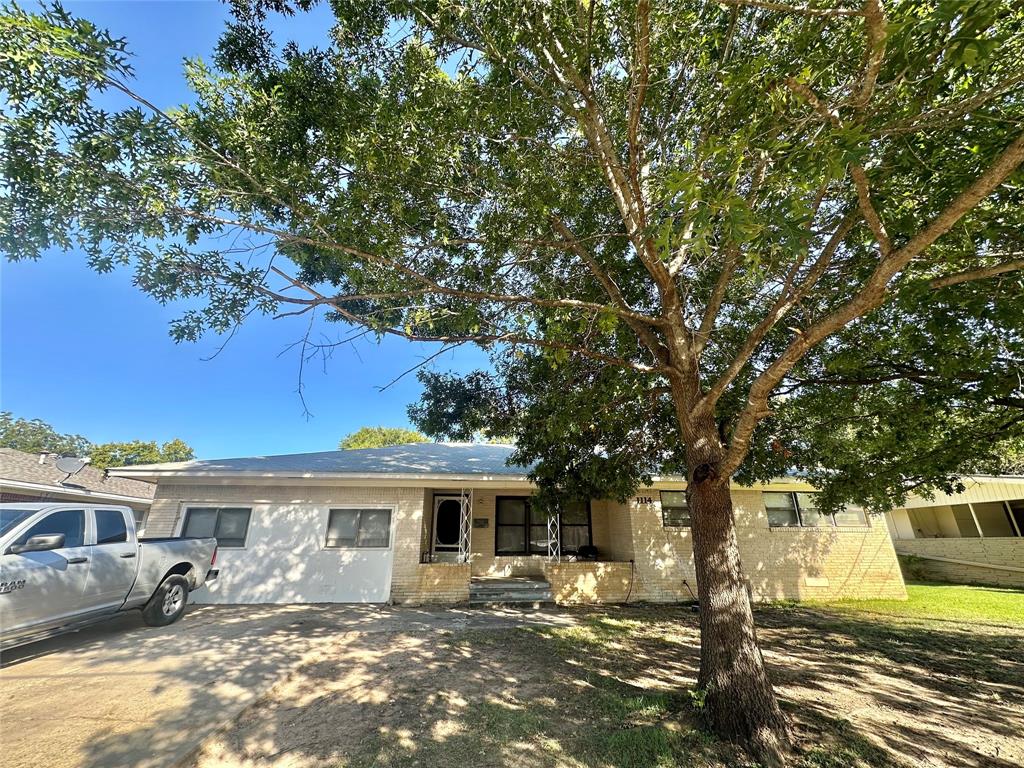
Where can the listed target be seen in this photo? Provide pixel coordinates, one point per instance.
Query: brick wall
(588, 582)
(796, 563)
(434, 583)
(984, 552)
(789, 563)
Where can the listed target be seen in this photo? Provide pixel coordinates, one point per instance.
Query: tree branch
(788, 298)
(871, 295)
(802, 10)
(981, 273)
(482, 338)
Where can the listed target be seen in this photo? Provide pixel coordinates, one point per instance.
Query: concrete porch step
(509, 591)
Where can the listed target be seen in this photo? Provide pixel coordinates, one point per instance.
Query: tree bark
(739, 702)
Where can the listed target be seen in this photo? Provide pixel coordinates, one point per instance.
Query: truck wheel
(167, 603)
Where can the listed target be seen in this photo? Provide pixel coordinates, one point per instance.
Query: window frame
(88, 528)
(664, 521)
(526, 525)
(219, 508)
(96, 528)
(359, 510)
(798, 508)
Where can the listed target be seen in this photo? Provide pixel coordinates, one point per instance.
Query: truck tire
(167, 603)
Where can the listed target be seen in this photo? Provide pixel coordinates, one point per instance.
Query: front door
(447, 525)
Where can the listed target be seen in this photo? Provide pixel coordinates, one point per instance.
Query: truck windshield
(11, 517)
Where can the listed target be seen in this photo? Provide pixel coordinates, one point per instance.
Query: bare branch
(867, 208)
(714, 304)
(802, 10)
(644, 333)
(874, 26)
(788, 298)
(982, 273)
(432, 285)
(480, 338)
(640, 77)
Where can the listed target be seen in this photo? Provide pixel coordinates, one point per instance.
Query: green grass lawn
(946, 602)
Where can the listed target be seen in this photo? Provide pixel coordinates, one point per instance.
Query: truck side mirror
(41, 543)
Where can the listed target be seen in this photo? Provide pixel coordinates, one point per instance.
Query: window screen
(229, 525)
(675, 513)
(110, 527)
(362, 528)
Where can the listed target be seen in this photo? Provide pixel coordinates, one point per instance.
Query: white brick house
(424, 522)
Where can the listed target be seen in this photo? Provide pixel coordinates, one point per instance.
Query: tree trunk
(739, 703)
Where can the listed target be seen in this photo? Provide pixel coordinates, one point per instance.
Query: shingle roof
(409, 459)
(26, 468)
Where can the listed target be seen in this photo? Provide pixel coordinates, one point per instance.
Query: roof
(412, 459)
(20, 470)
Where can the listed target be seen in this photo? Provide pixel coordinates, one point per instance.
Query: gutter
(66, 491)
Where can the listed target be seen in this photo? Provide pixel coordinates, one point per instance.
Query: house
(32, 477)
(439, 523)
(974, 537)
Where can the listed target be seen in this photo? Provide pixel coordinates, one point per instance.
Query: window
(140, 519)
(781, 509)
(110, 527)
(510, 526)
(790, 510)
(522, 528)
(810, 517)
(675, 513)
(12, 517)
(229, 525)
(70, 522)
(361, 528)
(575, 526)
(851, 516)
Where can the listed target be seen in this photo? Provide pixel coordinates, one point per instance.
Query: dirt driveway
(124, 694)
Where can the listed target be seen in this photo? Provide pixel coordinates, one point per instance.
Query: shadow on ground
(611, 688)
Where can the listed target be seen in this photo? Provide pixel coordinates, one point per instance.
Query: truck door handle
(127, 554)
(74, 560)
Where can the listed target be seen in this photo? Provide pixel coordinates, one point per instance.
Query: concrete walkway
(124, 694)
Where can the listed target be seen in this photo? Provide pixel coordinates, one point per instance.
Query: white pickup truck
(63, 565)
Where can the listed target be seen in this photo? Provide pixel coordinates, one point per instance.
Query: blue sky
(91, 354)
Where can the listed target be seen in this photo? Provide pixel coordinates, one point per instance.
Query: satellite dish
(70, 465)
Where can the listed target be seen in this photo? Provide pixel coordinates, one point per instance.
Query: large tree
(380, 437)
(687, 230)
(126, 454)
(36, 436)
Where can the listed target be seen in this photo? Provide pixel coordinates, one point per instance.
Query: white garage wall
(284, 559)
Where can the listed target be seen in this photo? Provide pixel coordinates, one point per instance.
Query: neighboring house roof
(410, 460)
(20, 471)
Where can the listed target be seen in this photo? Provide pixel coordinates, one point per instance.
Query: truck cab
(66, 564)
